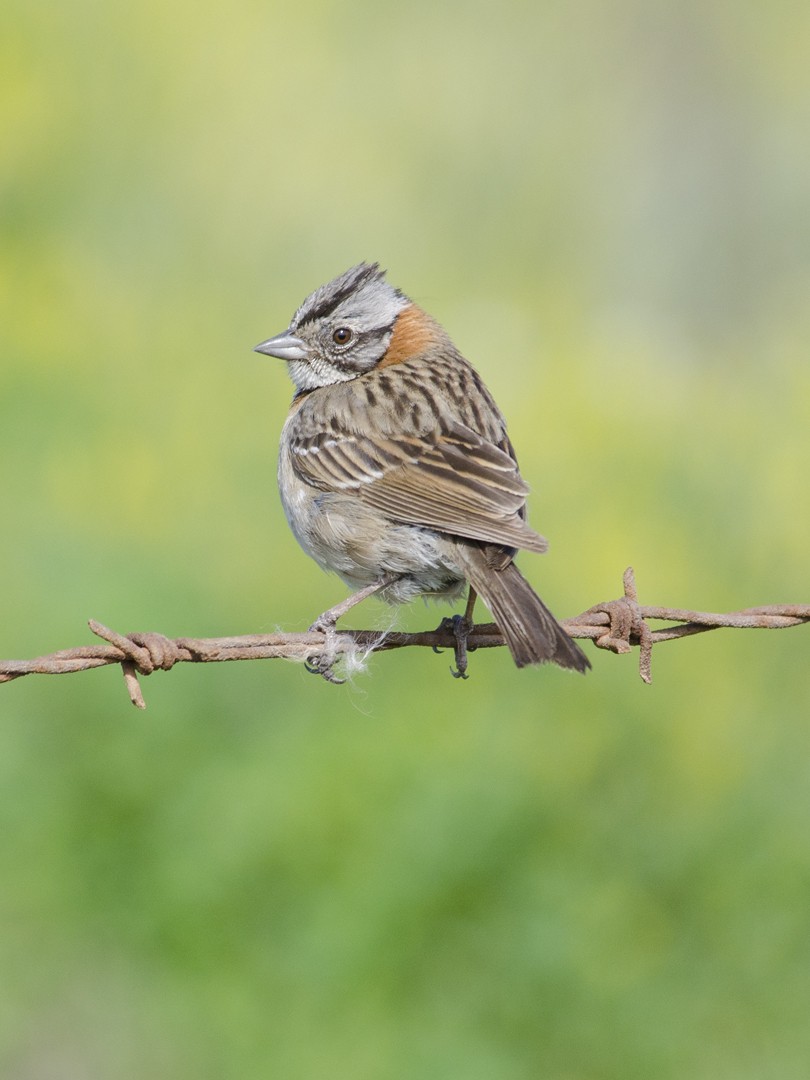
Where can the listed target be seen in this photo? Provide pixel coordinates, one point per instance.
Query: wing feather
(452, 479)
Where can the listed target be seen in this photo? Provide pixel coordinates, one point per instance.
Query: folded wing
(452, 480)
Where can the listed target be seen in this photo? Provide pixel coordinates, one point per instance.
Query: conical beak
(285, 346)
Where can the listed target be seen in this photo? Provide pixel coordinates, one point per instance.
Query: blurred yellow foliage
(527, 875)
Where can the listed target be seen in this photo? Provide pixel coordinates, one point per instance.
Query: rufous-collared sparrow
(395, 469)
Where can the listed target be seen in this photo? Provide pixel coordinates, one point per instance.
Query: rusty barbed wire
(617, 625)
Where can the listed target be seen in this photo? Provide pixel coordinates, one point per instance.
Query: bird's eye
(342, 336)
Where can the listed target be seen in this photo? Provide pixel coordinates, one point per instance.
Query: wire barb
(615, 625)
(626, 626)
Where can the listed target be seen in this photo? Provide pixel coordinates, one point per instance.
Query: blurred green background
(523, 875)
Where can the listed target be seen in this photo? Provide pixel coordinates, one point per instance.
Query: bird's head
(341, 331)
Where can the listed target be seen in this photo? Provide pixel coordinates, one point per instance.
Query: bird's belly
(360, 544)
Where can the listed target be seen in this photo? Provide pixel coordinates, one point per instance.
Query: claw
(317, 664)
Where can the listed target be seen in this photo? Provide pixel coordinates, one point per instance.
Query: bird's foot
(460, 627)
(323, 663)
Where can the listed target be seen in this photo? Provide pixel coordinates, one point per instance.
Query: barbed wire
(615, 625)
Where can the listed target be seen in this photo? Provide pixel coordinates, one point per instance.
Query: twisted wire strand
(616, 625)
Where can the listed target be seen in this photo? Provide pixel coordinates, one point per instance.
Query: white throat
(310, 374)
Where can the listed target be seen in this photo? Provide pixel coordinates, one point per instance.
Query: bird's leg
(461, 626)
(321, 664)
(472, 596)
(326, 621)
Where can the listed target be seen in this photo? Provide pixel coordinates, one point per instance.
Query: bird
(395, 468)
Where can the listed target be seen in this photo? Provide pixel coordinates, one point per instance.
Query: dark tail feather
(532, 633)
